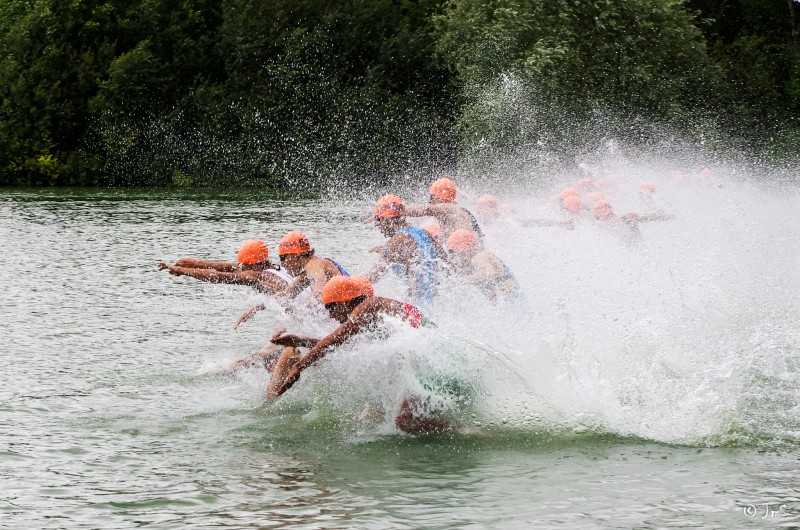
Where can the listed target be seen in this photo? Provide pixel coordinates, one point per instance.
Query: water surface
(657, 387)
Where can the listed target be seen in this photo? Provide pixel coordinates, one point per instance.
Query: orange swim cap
(602, 208)
(487, 204)
(444, 189)
(364, 285)
(572, 203)
(566, 192)
(647, 187)
(389, 206)
(462, 240)
(253, 251)
(433, 230)
(293, 243)
(343, 288)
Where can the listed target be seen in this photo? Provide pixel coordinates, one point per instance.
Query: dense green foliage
(210, 92)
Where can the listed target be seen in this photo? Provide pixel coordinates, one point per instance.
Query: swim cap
(344, 288)
(293, 243)
(389, 206)
(647, 187)
(602, 208)
(444, 189)
(487, 203)
(462, 240)
(433, 230)
(364, 285)
(572, 203)
(566, 192)
(253, 251)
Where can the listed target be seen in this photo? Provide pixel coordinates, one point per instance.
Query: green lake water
(654, 386)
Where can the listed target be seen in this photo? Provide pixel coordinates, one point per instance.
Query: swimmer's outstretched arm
(212, 275)
(266, 356)
(223, 266)
(300, 282)
(247, 314)
(294, 341)
(421, 210)
(569, 225)
(648, 218)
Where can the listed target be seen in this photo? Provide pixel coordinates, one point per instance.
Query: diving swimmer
(626, 226)
(443, 208)
(253, 268)
(483, 269)
(410, 252)
(351, 302)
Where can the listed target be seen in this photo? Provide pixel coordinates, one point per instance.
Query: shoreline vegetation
(231, 93)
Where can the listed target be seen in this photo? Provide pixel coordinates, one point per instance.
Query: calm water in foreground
(107, 420)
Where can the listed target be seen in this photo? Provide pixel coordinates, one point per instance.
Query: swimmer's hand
(294, 341)
(186, 262)
(248, 314)
(379, 248)
(171, 268)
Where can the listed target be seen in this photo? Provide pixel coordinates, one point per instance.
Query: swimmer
(628, 225)
(409, 252)
(308, 270)
(352, 302)
(483, 269)
(488, 208)
(443, 208)
(253, 268)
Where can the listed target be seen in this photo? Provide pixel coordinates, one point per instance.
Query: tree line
(249, 92)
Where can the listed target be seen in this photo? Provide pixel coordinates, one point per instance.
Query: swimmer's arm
(545, 222)
(338, 337)
(298, 285)
(381, 267)
(293, 341)
(632, 217)
(317, 279)
(439, 252)
(212, 275)
(223, 266)
(271, 284)
(419, 210)
(378, 270)
(264, 357)
(247, 314)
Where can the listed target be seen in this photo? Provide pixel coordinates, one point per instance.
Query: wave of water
(690, 336)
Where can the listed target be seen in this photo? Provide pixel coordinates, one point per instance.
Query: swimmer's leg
(412, 422)
(287, 359)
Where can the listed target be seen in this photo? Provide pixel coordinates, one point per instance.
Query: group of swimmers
(452, 246)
